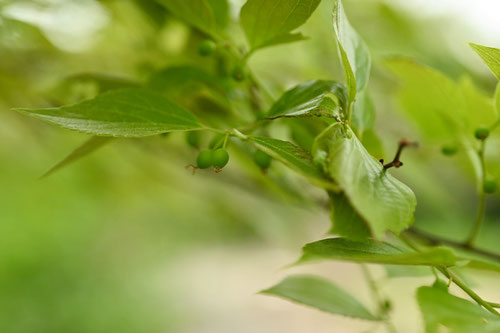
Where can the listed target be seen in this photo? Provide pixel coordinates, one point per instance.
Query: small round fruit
(193, 139)
(489, 186)
(482, 133)
(449, 150)
(205, 159)
(207, 47)
(221, 157)
(262, 159)
(239, 73)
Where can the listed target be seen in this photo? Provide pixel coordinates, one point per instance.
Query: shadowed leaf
(320, 294)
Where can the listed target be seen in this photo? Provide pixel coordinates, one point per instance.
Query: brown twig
(396, 162)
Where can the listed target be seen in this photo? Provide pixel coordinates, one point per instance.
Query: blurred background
(127, 240)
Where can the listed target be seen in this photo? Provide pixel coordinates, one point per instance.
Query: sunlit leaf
(126, 113)
(311, 98)
(371, 251)
(353, 52)
(490, 56)
(441, 108)
(480, 108)
(440, 309)
(385, 203)
(363, 115)
(270, 22)
(431, 99)
(320, 294)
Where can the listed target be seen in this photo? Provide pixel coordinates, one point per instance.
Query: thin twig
(396, 162)
(436, 240)
(455, 279)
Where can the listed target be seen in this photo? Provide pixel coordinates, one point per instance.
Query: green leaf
(320, 294)
(436, 114)
(125, 113)
(311, 98)
(371, 251)
(270, 22)
(220, 8)
(353, 52)
(154, 11)
(479, 107)
(385, 203)
(83, 150)
(197, 13)
(363, 116)
(497, 98)
(490, 56)
(345, 220)
(398, 271)
(440, 107)
(293, 156)
(372, 143)
(439, 308)
(285, 39)
(486, 265)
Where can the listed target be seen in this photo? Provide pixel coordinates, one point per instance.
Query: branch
(435, 240)
(396, 162)
(455, 279)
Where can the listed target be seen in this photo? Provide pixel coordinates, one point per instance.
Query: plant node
(396, 162)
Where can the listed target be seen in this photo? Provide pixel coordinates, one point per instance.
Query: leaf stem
(225, 139)
(381, 309)
(482, 199)
(455, 279)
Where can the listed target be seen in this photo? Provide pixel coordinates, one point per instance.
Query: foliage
(371, 210)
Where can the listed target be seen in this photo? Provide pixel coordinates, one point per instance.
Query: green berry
(205, 159)
(489, 186)
(440, 284)
(262, 159)
(193, 139)
(239, 73)
(482, 133)
(449, 150)
(221, 157)
(207, 47)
